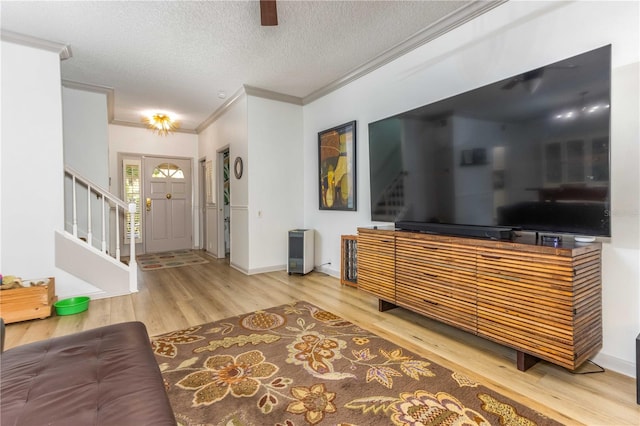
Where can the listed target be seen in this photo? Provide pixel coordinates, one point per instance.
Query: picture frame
(473, 157)
(337, 186)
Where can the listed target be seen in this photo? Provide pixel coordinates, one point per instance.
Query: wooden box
(29, 302)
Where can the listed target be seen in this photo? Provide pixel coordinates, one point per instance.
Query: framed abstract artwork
(337, 167)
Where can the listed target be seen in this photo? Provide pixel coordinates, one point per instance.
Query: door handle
(148, 204)
(168, 196)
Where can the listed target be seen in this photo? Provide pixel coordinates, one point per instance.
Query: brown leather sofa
(104, 376)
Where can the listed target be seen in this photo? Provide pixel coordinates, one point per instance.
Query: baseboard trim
(258, 270)
(616, 364)
(275, 268)
(327, 270)
(238, 268)
(267, 269)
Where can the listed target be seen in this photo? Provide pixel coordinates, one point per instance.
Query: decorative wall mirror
(237, 167)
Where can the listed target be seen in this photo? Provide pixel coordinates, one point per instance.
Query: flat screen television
(529, 152)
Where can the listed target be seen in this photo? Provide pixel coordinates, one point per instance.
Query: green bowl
(73, 305)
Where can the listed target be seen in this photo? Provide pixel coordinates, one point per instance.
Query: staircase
(391, 204)
(89, 247)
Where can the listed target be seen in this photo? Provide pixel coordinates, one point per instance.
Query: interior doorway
(223, 202)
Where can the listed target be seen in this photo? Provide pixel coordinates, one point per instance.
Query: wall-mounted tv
(529, 152)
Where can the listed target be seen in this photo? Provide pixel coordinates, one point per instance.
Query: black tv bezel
(453, 228)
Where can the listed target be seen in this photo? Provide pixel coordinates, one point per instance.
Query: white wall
(139, 140)
(85, 133)
(510, 39)
(267, 200)
(275, 177)
(230, 130)
(86, 150)
(31, 175)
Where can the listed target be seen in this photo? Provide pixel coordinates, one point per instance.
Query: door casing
(202, 211)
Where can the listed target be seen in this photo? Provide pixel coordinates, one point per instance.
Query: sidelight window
(131, 170)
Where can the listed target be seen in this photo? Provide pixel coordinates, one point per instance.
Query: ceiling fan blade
(268, 13)
(524, 78)
(510, 84)
(530, 75)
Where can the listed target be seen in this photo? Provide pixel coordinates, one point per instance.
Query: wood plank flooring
(176, 298)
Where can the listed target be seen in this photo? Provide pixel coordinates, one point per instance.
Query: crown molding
(143, 126)
(223, 108)
(433, 31)
(274, 96)
(109, 91)
(247, 90)
(63, 50)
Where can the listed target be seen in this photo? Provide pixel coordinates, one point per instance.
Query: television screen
(530, 151)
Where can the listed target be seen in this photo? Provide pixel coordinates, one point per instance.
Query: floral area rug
(297, 364)
(170, 259)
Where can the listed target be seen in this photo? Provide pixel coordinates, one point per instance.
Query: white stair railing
(108, 202)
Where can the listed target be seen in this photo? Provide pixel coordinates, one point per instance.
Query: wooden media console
(545, 301)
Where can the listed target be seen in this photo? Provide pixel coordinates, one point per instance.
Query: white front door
(167, 206)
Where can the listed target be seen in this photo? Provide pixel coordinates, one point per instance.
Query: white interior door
(167, 189)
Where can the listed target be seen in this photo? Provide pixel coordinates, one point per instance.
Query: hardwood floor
(176, 298)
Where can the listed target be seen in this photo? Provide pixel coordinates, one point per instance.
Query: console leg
(383, 305)
(525, 361)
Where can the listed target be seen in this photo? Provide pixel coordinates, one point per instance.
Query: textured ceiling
(177, 56)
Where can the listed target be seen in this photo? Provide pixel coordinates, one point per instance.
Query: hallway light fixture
(161, 123)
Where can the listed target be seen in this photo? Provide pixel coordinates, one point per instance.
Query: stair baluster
(108, 202)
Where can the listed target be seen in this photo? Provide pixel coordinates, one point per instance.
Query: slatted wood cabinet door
(437, 278)
(377, 263)
(548, 305)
